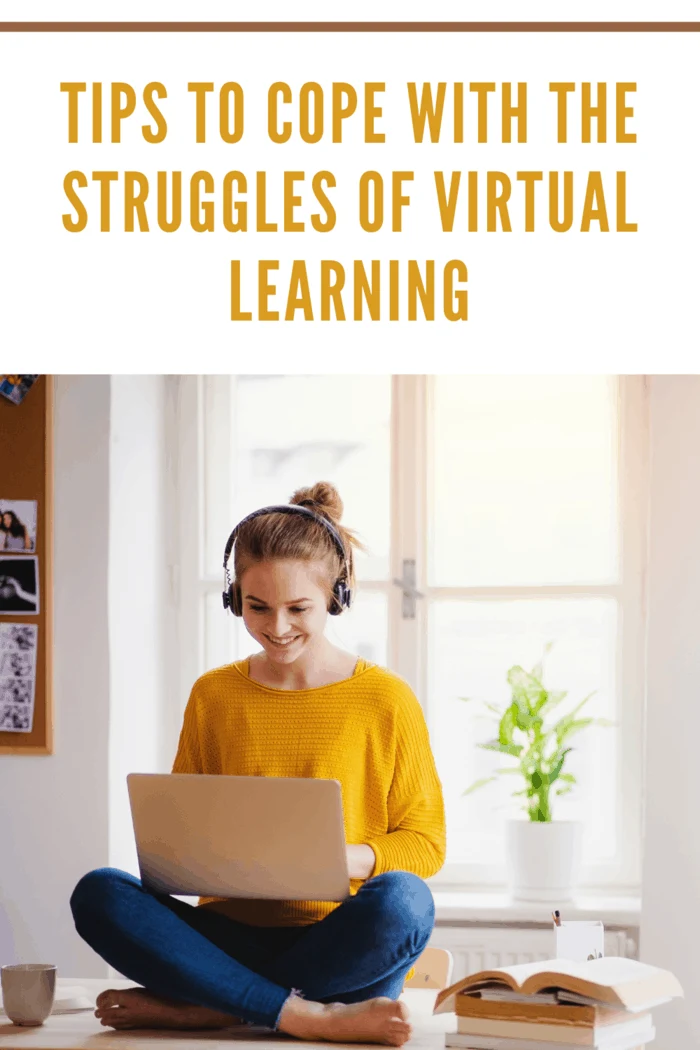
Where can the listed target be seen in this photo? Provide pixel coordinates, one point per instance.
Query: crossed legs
(200, 969)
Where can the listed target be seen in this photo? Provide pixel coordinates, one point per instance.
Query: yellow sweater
(368, 732)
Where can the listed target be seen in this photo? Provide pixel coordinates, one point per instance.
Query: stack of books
(558, 1004)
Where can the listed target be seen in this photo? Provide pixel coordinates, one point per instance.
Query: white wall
(140, 610)
(114, 613)
(670, 928)
(54, 809)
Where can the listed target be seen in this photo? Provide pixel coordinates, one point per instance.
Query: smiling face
(7, 519)
(285, 606)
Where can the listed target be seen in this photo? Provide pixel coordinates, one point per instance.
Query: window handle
(408, 587)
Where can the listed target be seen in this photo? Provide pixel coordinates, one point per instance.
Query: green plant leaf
(554, 774)
(528, 693)
(572, 714)
(477, 784)
(504, 749)
(521, 710)
(507, 725)
(541, 702)
(541, 753)
(519, 678)
(525, 682)
(524, 718)
(561, 729)
(553, 699)
(568, 729)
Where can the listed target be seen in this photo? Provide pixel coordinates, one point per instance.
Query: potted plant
(544, 854)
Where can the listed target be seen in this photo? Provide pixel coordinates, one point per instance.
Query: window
(518, 503)
(274, 434)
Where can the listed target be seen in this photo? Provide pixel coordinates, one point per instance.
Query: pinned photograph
(19, 637)
(16, 691)
(16, 388)
(15, 718)
(16, 665)
(19, 585)
(18, 649)
(18, 525)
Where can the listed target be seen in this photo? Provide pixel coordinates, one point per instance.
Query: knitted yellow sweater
(368, 732)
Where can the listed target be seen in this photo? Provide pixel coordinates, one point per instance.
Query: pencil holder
(579, 941)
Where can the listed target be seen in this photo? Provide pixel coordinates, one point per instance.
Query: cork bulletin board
(26, 486)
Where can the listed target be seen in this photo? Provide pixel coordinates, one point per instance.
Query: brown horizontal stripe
(349, 27)
(544, 1013)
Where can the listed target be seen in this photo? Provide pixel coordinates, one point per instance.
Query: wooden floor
(82, 1031)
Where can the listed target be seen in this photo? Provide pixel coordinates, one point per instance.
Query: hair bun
(323, 498)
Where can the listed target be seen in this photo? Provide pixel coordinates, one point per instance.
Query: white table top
(82, 1031)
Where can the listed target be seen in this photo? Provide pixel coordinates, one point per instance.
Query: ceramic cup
(28, 992)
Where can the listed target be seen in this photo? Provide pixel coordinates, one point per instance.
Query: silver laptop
(276, 838)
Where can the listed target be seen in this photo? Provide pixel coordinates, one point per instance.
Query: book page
(635, 983)
(514, 977)
(616, 980)
(621, 981)
(613, 971)
(522, 972)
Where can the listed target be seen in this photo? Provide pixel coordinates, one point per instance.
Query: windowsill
(466, 907)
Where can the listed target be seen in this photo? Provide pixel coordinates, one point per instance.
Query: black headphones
(342, 594)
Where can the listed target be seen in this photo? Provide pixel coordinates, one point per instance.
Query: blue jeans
(363, 949)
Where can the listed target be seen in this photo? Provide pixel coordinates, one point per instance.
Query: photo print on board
(16, 665)
(18, 525)
(16, 388)
(19, 585)
(18, 649)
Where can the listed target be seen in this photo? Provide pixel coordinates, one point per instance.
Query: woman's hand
(361, 861)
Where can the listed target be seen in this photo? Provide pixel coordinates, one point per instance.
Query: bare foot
(139, 1008)
(374, 1021)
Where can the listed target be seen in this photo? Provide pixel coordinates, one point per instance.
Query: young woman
(14, 536)
(300, 708)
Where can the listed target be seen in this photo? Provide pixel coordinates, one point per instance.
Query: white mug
(28, 992)
(579, 940)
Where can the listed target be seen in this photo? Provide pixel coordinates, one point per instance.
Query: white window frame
(408, 638)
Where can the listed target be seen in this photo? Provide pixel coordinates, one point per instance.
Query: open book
(624, 983)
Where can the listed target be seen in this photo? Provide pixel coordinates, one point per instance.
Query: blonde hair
(294, 537)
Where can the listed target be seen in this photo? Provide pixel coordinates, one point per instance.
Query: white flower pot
(544, 859)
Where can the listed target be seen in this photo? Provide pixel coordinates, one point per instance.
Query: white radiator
(477, 948)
